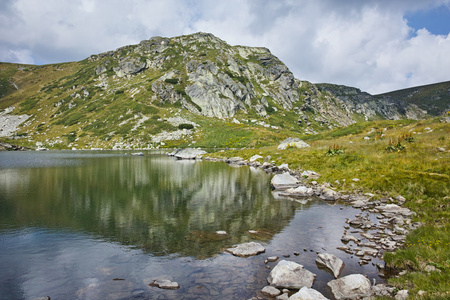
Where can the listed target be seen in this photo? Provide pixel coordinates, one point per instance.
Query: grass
(419, 172)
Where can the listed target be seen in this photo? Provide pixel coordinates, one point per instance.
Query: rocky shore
(393, 224)
(10, 147)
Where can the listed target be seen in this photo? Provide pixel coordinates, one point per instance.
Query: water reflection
(155, 203)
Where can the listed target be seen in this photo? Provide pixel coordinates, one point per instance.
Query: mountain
(182, 91)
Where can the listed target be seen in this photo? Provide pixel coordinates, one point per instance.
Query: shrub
(172, 80)
(334, 150)
(185, 126)
(394, 148)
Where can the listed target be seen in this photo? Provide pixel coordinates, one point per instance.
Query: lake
(103, 224)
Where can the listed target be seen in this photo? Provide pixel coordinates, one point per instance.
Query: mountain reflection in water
(155, 203)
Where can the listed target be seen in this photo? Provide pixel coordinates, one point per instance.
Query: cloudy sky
(375, 45)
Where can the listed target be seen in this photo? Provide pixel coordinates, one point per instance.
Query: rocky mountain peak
(135, 89)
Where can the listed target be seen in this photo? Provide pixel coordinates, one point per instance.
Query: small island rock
(247, 249)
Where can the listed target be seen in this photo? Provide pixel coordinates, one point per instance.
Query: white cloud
(366, 44)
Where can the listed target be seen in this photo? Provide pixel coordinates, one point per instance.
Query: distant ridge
(434, 98)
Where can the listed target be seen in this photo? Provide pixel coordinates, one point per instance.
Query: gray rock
(391, 210)
(402, 295)
(247, 249)
(270, 291)
(272, 258)
(284, 296)
(355, 286)
(306, 293)
(347, 238)
(255, 158)
(168, 285)
(10, 123)
(310, 174)
(284, 181)
(164, 282)
(300, 191)
(290, 275)
(328, 194)
(292, 143)
(382, 290)
(331, 262)
(129, 66)
(188, 153)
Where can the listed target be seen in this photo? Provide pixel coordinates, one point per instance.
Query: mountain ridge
(131, 96)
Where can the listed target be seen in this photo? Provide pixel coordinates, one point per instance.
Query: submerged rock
(331, 262)
(355, 286)
(247, 249)
(290, 275)
(164, 282)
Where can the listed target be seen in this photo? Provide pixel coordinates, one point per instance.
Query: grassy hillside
(434, 98)
(408, 158)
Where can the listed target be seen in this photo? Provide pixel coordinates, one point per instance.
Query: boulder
(290, 275)
(329, 194)
(354, 286)
(247, 249)
(284, 181)
(292, 143)
(331, 262)
(255, 158)
(306, 293)
(188, 153)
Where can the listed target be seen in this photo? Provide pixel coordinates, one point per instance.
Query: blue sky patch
(435, 20)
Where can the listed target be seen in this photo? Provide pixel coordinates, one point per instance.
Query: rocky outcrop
(9, 123)
(372, 107)
(10, 147)
(129, 66)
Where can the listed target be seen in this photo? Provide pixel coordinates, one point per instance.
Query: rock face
(370, 106)
(355, 286)
(292, 143)
(306, 293)
(9, 123)
(290, 275)
(247, 249)
(331, 262)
